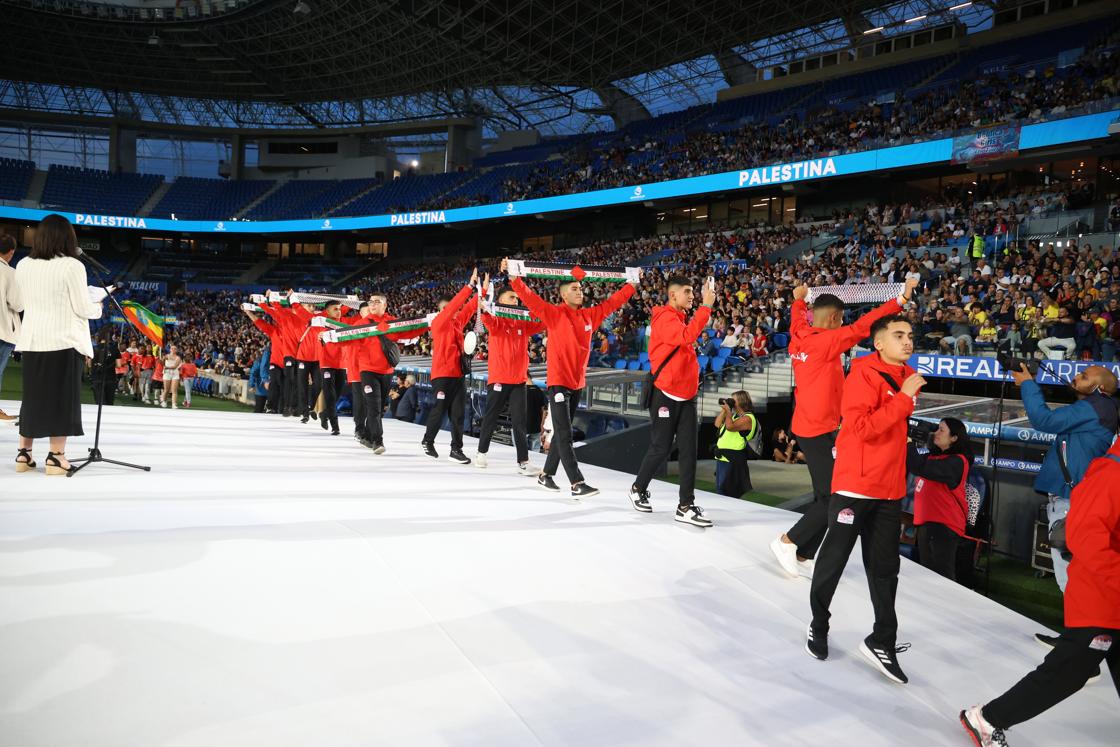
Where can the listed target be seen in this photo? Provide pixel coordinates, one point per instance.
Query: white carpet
(267, 584)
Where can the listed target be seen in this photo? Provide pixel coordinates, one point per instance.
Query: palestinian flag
(516, 313)
(563, 272)
(860, 293)
(149, 323)
(363, 331)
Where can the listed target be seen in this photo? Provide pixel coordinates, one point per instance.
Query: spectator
(1083, 431)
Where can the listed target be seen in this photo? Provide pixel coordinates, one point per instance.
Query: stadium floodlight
(915, 19)
(962, 6)
(414, 163)
(875, 30)
(302, 8)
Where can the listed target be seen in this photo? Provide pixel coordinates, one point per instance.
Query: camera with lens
(919, 432)
(1010, 363)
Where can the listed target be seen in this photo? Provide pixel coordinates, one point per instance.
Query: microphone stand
(95, 454)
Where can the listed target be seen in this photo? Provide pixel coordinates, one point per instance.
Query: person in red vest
(818, 377)
(569, 328)
(672, 408)
(941, 510)
(508, 369)
(447, 369)
(868, 484)
(1092, 611)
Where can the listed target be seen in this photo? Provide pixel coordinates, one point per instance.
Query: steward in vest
(739, 433)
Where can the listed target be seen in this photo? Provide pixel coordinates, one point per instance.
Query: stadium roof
(338, 62)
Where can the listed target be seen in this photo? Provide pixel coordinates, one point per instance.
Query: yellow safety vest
(735, 440)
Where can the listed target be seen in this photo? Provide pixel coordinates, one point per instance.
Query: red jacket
(508, 345)
(1093, 534)
(447, 335)
(275, 354)
(331, 354)
(307, 340)
(871, 447)
(818, 374)
(668, 332)
(288, 326)
(569, 332)
(369, 355)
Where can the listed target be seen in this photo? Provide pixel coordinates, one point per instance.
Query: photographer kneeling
(1083, 431)
(941, 510)
(737, 427)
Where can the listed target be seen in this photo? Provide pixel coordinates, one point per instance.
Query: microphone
(92, 262)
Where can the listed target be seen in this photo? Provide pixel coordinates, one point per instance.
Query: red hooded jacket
(818, 374)
(668, 331)
(447, 335)
(508, 346)
(307, 340)
(288, 326)
(871, 447)
(1093, 534)
(275, 354)
(569, 332)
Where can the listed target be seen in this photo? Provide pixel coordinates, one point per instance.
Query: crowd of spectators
(1026, 95)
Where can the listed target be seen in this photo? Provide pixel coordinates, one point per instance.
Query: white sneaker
(527, 469)
(480, 460)
(162, 403)
(806, 568)
(174, 406)
(786, 553)
(982, 733)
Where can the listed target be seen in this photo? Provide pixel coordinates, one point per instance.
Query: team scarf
(516, 313)
(253, 308)
(572, 273)
(362, 331)
(312, 298)
(860, 294)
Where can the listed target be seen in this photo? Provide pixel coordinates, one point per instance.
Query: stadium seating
(15, 177)
(191, 198)
(96, 191)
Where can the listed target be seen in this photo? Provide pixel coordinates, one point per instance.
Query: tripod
(95, 452)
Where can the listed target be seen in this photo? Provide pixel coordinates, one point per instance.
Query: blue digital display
(1074, 129)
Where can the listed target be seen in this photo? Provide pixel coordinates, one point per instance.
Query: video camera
(919, 432)
(1009, 363)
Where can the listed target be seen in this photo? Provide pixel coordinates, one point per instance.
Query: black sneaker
(640, 499)
(314, 415)
(884, 659)
(583, 490)
(1046, 641)
(304, 419)
(816, 644)
(287, 414)
(430, 449)
(363, 441)
(324, 423)
(378, 447)
(692, 515)
(335, 432)
(457, 455)
(546, 482)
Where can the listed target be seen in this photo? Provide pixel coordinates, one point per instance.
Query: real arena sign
(1045, 134)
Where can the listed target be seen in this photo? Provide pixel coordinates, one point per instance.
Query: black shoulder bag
(649, 379)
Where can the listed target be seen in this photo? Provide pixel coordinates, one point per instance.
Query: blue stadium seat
(703, 361)
(620, 364)
(634, 365)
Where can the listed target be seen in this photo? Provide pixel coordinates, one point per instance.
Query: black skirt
(52, 394)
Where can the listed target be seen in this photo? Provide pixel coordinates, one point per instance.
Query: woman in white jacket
(54, 342)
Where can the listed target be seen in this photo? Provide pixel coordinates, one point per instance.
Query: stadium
(266, 194)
